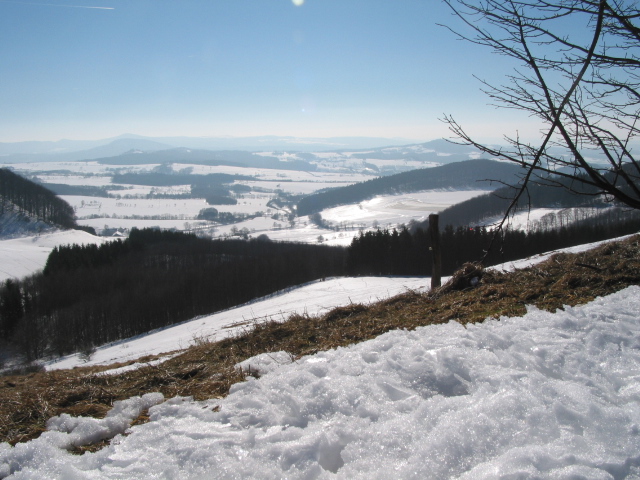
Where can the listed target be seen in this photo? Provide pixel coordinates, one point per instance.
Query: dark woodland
(33, 200)
(91, 295)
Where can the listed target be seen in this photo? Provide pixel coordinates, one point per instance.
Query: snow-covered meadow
(185, 209)
(24, 256)
(314, 298)
(553, 396)
(393, 210)
(544, 396)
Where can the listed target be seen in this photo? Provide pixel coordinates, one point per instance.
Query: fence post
(434, 233)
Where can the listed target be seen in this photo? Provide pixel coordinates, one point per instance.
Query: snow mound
(79, 431)
(65, 432)
(264, 363)
(547, 395)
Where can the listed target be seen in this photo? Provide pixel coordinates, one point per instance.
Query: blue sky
(239, 68)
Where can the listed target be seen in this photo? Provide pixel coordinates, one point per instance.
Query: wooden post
(434, 233)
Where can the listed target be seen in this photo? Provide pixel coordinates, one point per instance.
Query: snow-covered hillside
(14, 223)
(312, 299)
(23, 256)
(553, 396)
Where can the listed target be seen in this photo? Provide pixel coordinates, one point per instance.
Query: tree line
(406, 252)
(543, 193)
(91, 295)
(33, 200)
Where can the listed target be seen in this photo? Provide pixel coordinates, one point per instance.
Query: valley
(263, 197)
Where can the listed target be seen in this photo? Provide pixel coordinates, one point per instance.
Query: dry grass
(207, 370)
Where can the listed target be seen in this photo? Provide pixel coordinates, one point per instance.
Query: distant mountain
(470, 174)
(71, 150)
(60, 147)
(231, 158)
(435, 151)
(112, 148)
(117, 147)
(49, 148)
(282, 143)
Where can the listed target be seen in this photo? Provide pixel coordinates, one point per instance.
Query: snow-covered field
(549, 396)
(397, 209)
(544, 396)
(335, 170)
(84, 168)
(187, 209)
(24, 256)
(546, 218)
(383, 211)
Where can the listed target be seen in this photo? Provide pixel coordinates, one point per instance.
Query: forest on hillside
(471, 174)
(407, 252)
(22, 196)
(231, 158)
(539, 194)
(90, 295)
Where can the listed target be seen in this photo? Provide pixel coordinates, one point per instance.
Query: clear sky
(88, 69)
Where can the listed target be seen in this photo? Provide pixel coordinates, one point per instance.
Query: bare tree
(583, 86)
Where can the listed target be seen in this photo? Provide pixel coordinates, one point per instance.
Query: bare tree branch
(587, 93)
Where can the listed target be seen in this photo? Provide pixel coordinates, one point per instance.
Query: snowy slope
(314, 298)
(544, 396)
(24, 256)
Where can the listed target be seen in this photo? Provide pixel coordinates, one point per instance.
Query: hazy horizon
(221, 137)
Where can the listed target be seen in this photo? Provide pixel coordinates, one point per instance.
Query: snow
(546, 395)
(125, 211)
(398, 209)
(312, 299)
(20, 257)
(386, 211)
(178, 223)
(85, 206)
(545, 218)
(82, 167)
(90, 180)
(67, 431)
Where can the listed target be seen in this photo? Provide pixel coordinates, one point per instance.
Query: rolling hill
(470, 174)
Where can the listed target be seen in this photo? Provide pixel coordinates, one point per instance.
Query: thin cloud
(58, 5)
